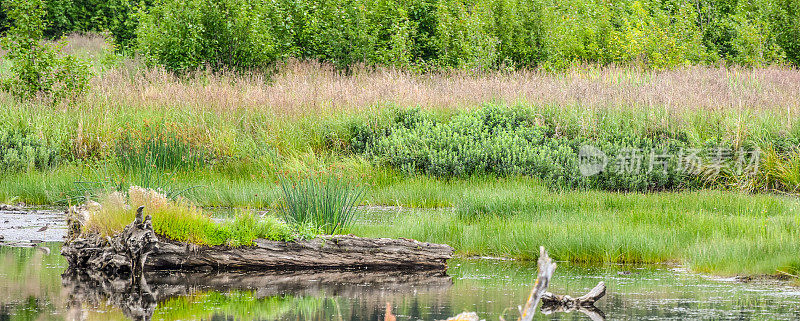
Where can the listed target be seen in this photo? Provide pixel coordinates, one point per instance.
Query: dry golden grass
(310, 87)
(117, 209)
(92, 44)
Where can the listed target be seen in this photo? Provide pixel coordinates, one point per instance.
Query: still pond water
(32, 288)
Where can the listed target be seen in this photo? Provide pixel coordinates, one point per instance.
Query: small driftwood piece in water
(587, 299)
(584, 304)
(546, 270)
(551, 302)
(137, 248)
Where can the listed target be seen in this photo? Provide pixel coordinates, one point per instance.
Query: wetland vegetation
(485, 133)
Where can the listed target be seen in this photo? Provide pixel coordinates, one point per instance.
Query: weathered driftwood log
(340, 251)
(137, 247)
(124, 253)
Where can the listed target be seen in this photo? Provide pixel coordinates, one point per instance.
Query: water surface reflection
(31, 288)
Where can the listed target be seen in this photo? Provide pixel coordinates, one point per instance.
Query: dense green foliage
(67, 16)
(183, 35)
(506, 141)
(21, 150)
(225, 159)
(787, 28)
(39, 70)
(475, 34)
(426, 34)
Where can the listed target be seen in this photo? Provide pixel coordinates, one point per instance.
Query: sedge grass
(710, 231)
(327, 203)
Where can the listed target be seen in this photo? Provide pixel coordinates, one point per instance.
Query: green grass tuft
(328, 203)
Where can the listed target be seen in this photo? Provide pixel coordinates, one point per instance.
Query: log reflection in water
(138, 300)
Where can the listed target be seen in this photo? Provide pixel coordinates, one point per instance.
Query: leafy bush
(327, 203)
(21, 150)
(38, 70)
(185, 35)
(434, 34)
(471, 34)
(786, 24)
(506, 141)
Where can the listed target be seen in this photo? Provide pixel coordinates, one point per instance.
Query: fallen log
(138, 248)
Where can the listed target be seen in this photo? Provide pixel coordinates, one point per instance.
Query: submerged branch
(546, 270)
(551, 302)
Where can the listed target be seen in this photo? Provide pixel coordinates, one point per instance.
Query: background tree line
(438, 34)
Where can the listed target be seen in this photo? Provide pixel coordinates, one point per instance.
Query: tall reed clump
(327, 203)
(158, 150)
(150, 162)
(179, 220)
(782, 171)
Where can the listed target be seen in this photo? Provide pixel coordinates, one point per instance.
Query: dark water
(32, 288)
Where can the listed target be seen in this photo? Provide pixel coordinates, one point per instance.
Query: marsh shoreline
(22, 226)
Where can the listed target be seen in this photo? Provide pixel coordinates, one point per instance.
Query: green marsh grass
(710, 231)
(248, 127)
(327, 202)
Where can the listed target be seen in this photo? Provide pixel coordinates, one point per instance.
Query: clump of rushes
(327, 203)
(179, 220)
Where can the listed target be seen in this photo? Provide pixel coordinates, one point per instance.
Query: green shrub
(512, 141)
(39, 70)
(464, 36)
(21, 150)
(327, 203)
(786, 24)
(439, 34)
(186, 35)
